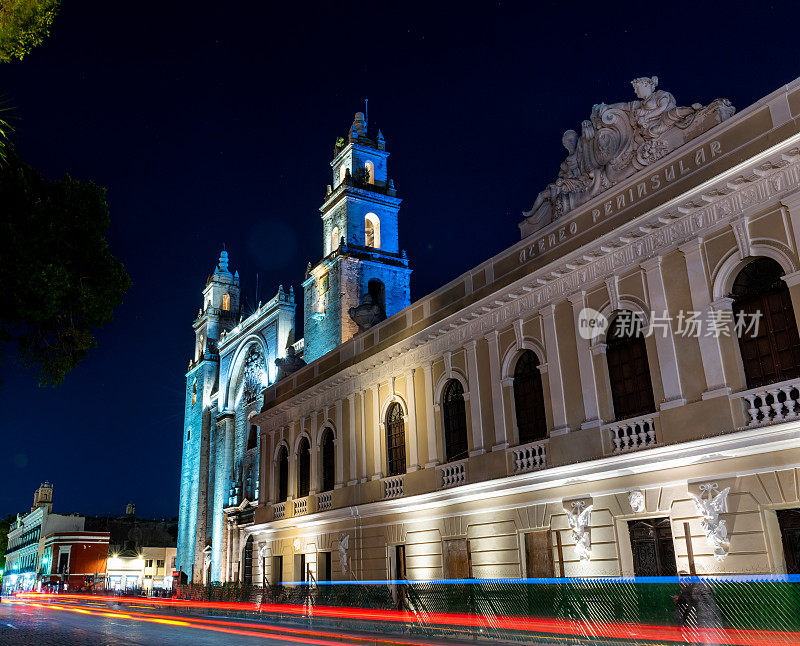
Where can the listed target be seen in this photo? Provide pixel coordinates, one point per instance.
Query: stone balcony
(632, 434)
(770, 404)
(529, 457)
(453, 473)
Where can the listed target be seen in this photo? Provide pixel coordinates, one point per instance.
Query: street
(43, 624)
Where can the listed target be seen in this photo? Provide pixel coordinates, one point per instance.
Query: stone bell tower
(219, 312)
(362, 264)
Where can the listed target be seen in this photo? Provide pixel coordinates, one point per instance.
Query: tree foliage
(5, 526)
(24, 24)
(59, 278)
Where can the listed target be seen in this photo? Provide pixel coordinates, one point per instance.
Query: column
(229, 548)
(339, 446)
(474, 398)
(291, 489)
(378, 428)
(792, 204)
(363, 407)
(498, 404)
(314, 432)
(430, 419)
(351, 407)
(554, 371)
(665, 343)
(269, 463)
(591, 407)
(710, 351)
(411, 398)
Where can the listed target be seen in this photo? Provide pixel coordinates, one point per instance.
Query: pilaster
(591, 409)
(555, 378)
(430, 418)
(498, 403)
(413, 458)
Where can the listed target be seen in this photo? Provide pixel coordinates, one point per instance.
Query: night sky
(214, 123)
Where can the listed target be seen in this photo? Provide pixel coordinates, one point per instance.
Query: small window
(194, 392)
(226, 302)
(372, 231)
(370, 168)
(188, 434)
(335, 239)
(159, 563)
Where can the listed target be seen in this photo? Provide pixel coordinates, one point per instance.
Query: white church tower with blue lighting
(362, 264)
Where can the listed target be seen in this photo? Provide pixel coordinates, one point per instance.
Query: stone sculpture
(579, 518)
(710, 504)
(367, 314)
(636, 500)
(344, 542)
(254, 373)
(288, 364)
(618, 140)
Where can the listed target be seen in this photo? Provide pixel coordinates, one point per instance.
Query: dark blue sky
(215, 122)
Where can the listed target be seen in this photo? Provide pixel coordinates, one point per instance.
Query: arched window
(342, 173)
(335, 239)
(370, 168)
(252, 439)
(303, 468)
(454, 415)
(771, 349)
(194, 392)
(372, 231)
(283, 475)
(628, 370)
(226, 302)
(395, 440)
(328, 460)
(529, 398)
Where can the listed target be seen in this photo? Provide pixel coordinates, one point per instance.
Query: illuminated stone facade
(482, 431)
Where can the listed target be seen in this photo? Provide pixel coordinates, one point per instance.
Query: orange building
(75, 558)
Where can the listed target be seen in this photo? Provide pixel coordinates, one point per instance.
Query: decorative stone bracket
(710, 504)
(579, 517)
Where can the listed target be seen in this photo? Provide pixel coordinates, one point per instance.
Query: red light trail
(537, 627)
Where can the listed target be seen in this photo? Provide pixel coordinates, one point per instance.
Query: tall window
(372, 231)
(226, 302)
(370, 168)
(335, 239)
(283, 474)
(252, 439)
(529, 399)
(395, 440)
(303, 468)
(194, 392)
(628, 370)
(455, 421)
(328, 460)
(771, 352)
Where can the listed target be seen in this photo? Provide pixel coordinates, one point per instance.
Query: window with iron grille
(303, 468)
(395, 440)
(628, 370)
(529, 399)
(328, 460)
(770, 353)
(454, 414)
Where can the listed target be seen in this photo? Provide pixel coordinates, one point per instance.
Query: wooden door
(456, 559)
(539, 555)
(789, 521)
(652, 547)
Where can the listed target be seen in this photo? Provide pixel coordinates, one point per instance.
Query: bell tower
(362, 261)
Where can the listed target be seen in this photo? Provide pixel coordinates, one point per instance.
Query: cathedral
(617, 394)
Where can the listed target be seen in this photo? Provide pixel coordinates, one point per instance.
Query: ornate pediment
(617, 141)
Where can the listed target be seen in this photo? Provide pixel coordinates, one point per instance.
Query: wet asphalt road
(23, 625)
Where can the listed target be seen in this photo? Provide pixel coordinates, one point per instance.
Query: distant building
(23, 555)
(75, 560)
(149, 569)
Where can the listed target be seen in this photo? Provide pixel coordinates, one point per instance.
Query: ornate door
(539, 555)
(652, 546)
(789, 521)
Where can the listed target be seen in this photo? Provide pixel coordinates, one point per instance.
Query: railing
(301, 506)
(632, 434)
(530, 457)
(324, 501)
(393, 487)
(773, 403)
(453, 474)
(279, 510)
